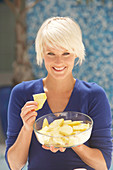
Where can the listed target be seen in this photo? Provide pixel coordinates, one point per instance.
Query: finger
(28, 115)
(45, 147)
(78, 146)
(62, 149)
(27, 109)
(29, 106)
(53, 149)
(30, 103)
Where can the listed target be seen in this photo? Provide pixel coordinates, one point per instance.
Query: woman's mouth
(59, 69)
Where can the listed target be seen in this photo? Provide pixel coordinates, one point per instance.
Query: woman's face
(58, 62)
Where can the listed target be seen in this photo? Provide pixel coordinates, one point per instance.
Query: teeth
(61, 68)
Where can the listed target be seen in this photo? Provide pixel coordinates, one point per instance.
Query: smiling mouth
(59, 69)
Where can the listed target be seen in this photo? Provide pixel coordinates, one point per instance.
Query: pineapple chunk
(81, 127)
(75, 123)
(53, 130)
(40, 99)
(57, 122)
(67, 122)
(66, 130)
(45, 123)
(43, 130)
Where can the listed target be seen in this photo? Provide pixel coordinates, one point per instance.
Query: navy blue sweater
(88, 98)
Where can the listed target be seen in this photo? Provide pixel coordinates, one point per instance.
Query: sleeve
(99, 111)
(16, 102)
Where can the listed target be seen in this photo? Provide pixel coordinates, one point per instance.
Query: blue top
(88, 98)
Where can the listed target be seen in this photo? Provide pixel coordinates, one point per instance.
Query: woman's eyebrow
(66, 52)
(49, 50)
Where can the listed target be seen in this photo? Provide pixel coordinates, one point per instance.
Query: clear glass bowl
(65, 141)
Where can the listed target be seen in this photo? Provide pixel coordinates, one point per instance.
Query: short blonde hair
(60, 32)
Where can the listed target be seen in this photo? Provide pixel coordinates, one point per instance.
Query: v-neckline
(74, 88)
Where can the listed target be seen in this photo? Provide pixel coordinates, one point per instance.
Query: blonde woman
(58, 44)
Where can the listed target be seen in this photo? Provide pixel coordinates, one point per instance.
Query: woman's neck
(61, 85)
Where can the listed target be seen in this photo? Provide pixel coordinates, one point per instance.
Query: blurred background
(19, 23)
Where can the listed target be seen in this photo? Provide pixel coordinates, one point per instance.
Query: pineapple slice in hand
(40, 99)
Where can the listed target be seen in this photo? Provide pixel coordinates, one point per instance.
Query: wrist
(27, 129)
(78, 148)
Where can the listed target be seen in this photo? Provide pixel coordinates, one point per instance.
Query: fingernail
(36, 103)
(79, 146)
(51, 147)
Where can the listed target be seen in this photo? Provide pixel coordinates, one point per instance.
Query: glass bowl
(66, 141)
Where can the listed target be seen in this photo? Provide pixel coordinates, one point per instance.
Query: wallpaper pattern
(96, 22)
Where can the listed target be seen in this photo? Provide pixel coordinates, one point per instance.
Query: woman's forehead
(54, 48)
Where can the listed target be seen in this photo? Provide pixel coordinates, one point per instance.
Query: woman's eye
(66, 53)
(50, 53)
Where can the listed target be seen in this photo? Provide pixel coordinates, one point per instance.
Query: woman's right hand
(28, 114)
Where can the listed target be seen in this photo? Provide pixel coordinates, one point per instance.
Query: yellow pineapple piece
(81, 127)
(75, 132)
(66, 130)
(45, 123)
(65, 140)
(73, 123)
(40, 99)
(53, 130)
(57, 122)
(43, 130)
(67, 122)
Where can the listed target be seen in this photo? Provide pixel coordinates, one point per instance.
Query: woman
(58, 43)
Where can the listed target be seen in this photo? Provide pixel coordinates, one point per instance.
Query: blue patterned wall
(96, 22)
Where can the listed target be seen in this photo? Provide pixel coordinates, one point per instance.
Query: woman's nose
(58, 59)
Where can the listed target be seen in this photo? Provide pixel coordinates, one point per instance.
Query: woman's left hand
(53, 149)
